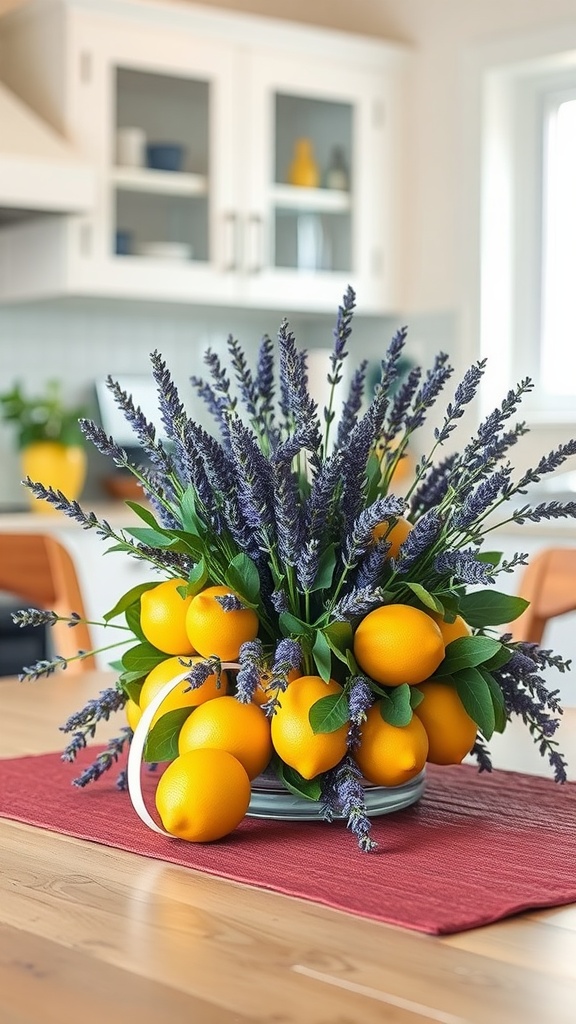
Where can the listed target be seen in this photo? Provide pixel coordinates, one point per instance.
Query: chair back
(549, 583)
(38, 569)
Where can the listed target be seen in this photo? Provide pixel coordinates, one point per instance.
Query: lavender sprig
(251, 661)
(343, 791)
(104, 761)
(96, 710)
(341, 333)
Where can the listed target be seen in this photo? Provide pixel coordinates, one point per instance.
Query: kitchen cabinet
(231, 95)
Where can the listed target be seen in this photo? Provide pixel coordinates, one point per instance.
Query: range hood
(39, 170)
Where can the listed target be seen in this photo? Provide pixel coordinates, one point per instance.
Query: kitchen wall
(78, 342)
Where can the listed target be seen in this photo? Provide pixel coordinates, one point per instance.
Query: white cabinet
(233, 94)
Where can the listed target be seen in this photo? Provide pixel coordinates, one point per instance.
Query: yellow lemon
(398, 644)
(203, 795)
(389, 755)
(292, 736)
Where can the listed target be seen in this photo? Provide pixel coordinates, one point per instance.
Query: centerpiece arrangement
(302, 619)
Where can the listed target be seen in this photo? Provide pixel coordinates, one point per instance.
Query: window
(528, 232)
(558, 275)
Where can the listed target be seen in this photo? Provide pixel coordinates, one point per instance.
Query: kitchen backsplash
(80, 342)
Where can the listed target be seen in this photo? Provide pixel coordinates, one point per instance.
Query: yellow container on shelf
(304, 170)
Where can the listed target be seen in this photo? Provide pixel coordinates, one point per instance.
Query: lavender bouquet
(387, 601)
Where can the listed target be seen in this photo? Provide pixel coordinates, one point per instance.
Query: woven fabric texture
(475, 849)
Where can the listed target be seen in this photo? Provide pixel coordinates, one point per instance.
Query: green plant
(42, 418)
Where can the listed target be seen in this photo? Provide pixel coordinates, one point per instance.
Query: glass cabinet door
(317, 167)
(161, 168)
(311, 222)
(166, 225)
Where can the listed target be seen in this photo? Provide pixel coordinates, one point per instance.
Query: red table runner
(475, 849)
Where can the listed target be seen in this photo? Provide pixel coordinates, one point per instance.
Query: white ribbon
(133, 772)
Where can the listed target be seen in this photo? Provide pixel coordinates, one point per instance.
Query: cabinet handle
(230, 245)
(255, 260)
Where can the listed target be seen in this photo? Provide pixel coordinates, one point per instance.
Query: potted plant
(49, 438)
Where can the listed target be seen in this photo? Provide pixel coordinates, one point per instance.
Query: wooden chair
(549, 583)
(38, 569)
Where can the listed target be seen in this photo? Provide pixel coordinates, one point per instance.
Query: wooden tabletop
(92, 934)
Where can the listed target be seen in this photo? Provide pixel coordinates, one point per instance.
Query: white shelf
(319, 200)
(179, 183)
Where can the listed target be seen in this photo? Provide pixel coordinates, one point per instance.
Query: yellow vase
(304, 170)
(60, 466)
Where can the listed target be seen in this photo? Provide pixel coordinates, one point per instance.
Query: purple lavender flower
(96, 710)
(200, 671)
(526, 695)
(288, 656)
(360, 700)
(427, 394)
(481, 499)
(230, 602)
(464, 394)
(217, 395)
(343, 791)
(434, 485)
(352, 405)
(143, 429)
(104, 760)
(426, 531)
(251, 660)
(358, 602)
(343, 328)
(463, 566)
(360, 537)
(35, 617)
(482, 755)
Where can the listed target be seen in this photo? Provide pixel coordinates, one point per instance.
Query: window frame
(505, 88)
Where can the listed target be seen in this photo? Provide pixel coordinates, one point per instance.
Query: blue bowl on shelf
(165, 156)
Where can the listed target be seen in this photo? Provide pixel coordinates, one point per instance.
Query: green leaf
(492, 557)
(242, 576)
(339, 638)
(129, 598)
(427, 599)
(467, 652)
(329, 713)
(121, 546)
(115, 666)
(132, 688)
(162, 740)
(291, 626)
(190, 519)
(152, 538)
(325, 572)
(322, 656)
(145, 514)
(451, 604)
(497, 700)
(476, 697)
(142, 658)
(310, 789)
(416, 697)
(491, 608)
(135, 676)
(373, 477)
(396, 707)
(499, 659)
(197, 578)
(133, 621)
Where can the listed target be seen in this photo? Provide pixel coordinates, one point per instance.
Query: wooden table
(93, 934)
